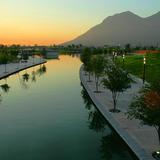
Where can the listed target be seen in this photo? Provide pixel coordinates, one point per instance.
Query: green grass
(134, 65)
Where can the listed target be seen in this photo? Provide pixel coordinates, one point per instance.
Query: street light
(123, 59)
(144, 69)
(113, 55)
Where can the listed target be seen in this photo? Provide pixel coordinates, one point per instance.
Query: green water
(45, 114)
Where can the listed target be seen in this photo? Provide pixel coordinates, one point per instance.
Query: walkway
(142, 140)
(12, 68)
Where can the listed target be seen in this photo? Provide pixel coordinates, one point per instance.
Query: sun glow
(56, 21)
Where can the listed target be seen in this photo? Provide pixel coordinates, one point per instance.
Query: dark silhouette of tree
(5, 88)
(89, 69)
(87, 100)
(25, 57)
(4, 59)
(128, 48)
(98, 65)
(26, 77)
(146, 107)
(42, 70)
(112, 147)
(96, 121)
(86, 60)
(33, 76)
(86, 56)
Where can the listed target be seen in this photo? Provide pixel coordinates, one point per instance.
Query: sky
(46, 22)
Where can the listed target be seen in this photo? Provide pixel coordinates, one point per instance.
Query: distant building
(52, 54)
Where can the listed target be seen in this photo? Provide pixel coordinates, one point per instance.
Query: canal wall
(13, 68)
(119, 121)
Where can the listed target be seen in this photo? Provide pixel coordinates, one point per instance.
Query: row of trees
(114, 78)
(145, 106)
(125, 49)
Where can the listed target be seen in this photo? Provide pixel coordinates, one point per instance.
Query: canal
(45, 114)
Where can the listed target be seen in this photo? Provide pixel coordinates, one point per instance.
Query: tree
(86, 56)
(146, 107)
(25, 56)
(128, 48)
(117, 81)
(4, 59)
(86, 59)
(33, 76)
(98, 65)
(89, 69)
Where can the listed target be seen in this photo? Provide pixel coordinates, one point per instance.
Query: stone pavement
(12, 68)
(142, 140)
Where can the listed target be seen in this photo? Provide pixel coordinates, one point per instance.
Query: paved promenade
(12, 68)
(142, 140)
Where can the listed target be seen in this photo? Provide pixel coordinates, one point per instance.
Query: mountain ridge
(122, 28)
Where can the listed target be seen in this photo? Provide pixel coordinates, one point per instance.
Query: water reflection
(39, 72)
(33, 76)
(5, 87)
(57, 131)
(87, 101)
(113, 144)
(42, 70)
(25, 79)
(112, 147)
(96, 121)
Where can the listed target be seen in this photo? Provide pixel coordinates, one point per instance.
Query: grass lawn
(134, 65)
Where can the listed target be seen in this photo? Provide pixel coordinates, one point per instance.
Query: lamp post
(113, 55)
(144, 69)
(123, 59)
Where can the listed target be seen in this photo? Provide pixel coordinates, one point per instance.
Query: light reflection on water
(46, 114)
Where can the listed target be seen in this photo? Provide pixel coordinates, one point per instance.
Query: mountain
(121, 29)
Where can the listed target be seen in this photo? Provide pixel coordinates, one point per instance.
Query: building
(51, 54)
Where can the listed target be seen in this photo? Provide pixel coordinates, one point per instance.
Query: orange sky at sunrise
(46, 22)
